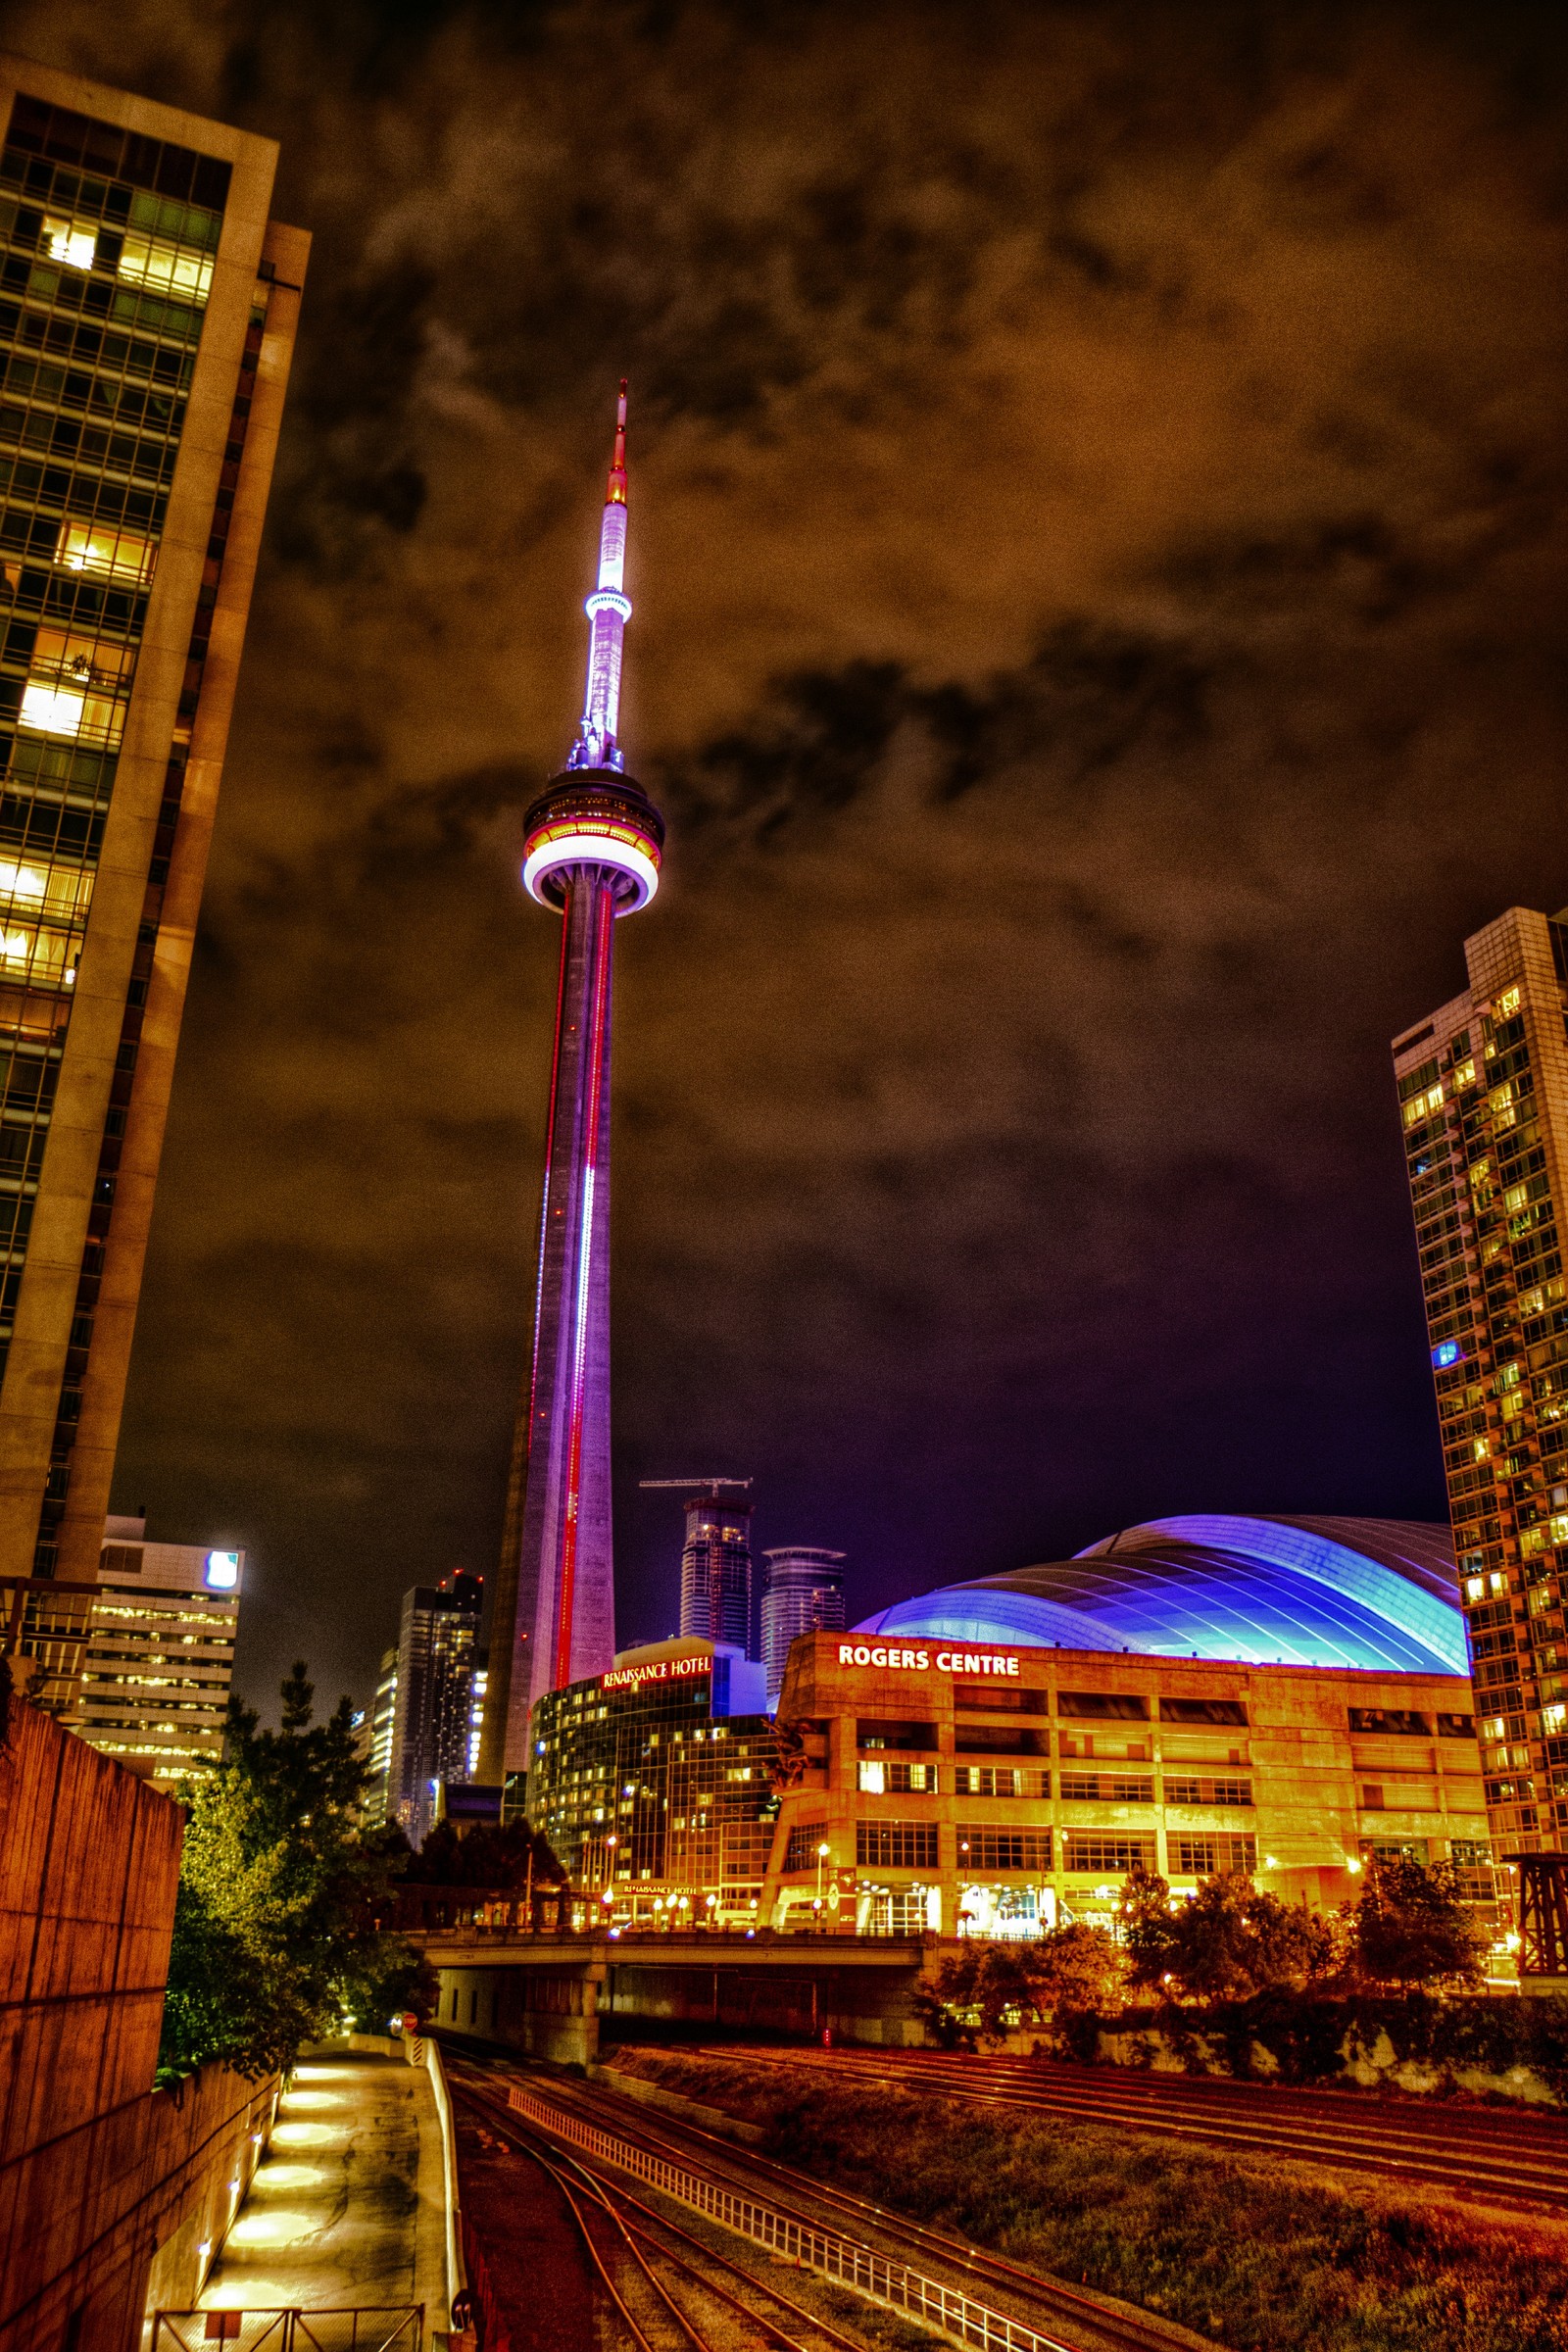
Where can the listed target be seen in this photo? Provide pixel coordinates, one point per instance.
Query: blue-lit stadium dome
(1365, 1593)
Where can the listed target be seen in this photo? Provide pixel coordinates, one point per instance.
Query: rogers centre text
(921, 1661)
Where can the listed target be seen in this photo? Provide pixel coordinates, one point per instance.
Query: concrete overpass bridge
(549, 1993)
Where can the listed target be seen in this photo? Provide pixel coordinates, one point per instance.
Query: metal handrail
(823, 2250)
(293, 2328)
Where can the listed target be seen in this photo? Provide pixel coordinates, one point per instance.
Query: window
(1102, 1706)
(804, 1839)
(120, 1559)
(894, 1735)
(896, 1780)
(1115, 1856)
(896, 1844)
(1103, 1788)
(984, 1845)
(1372, 1797)
(1202, 1710)
(995, 1698)
(1000, 1739)
(1400, 1721)
(1217, 1857)
(1207, 1792)
(999, 1780)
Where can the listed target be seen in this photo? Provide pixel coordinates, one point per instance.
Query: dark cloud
(1099, 556)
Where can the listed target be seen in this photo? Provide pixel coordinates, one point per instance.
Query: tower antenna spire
(609, 609)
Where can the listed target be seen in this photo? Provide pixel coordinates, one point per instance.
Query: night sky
(1097, 545)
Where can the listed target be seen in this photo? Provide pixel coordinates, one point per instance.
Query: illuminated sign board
(1001, 1663)
(656, 1670)
(222, 1570)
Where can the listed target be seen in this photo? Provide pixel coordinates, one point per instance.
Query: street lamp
(822, 1852)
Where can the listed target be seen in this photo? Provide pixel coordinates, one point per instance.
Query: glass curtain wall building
(715, 1566)
(147, 319)
(1483, 1086)
(432, 1702)
(803, 1593)
(654, 1785)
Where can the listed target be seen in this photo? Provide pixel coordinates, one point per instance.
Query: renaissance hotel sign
(1002, 1664)
(657, 1670)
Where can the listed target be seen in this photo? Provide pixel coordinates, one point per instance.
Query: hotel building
(157, 1656)
(1483, 1086)
(147, 319)
(654, 1785)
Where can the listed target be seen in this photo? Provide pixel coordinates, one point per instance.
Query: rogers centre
(920, 1662)
(976, 1791)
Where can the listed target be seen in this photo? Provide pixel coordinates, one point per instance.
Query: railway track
(1066, 2318)
(663, 2280)
(1484, 2156)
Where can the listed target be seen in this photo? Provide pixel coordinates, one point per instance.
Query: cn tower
(591, 850)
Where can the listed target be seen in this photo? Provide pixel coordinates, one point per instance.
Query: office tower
(591, 850)
(158, 1654)
(716, 1565)
(383, 1717)
(147, 319)
(433, 1700)
(803, 1593)
(1484, 1089)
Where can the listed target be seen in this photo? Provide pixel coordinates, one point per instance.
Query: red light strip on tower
(569, 1542)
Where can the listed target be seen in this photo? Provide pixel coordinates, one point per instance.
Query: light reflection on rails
(1514, 2160)
(1090, 2324)
(589, 2198)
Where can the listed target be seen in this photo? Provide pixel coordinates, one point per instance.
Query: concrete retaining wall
(99, 2172)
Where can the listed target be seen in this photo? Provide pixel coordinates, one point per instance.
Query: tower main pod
(591, 850)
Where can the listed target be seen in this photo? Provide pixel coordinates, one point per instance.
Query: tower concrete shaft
(565, 1612)
(591, 850)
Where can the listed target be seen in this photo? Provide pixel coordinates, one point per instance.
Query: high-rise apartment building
(715, 1565)
(803, 1593)
(383, 1717)
(591, 851)
(158, 1654)
(147, 319)
(1483, 1084)
(433, 1702)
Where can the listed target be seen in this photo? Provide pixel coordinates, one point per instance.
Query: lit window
(1507, 1003)
(75, 247)
(1465, 1074)
(165, 268)
(51, 711)
(1483, 1448)
(106, 552)
(1474, 1588)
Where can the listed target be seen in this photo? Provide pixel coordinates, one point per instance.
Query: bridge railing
(360, 2327)
(851, 2265)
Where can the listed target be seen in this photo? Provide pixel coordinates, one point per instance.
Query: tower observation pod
(591, 851)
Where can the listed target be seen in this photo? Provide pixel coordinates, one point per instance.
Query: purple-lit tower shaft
(591, 850)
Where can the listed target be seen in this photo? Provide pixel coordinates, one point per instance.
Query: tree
(1226, 1942)
(276, 1939)
(1411, 1927)
(984, 1988)
(505, 1858)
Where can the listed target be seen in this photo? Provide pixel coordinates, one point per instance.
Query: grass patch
(1250, 2251)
